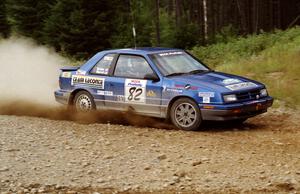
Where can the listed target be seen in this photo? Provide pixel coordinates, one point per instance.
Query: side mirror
(151, 76)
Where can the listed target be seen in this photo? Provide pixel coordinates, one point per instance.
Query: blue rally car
(161, 82)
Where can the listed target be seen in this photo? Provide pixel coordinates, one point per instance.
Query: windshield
(177, 62)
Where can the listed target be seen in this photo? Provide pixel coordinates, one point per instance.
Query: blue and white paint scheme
(150, 80)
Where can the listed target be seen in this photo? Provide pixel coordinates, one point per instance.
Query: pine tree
(122, 36)
(4, 26)
(27, 16)
(80, 27)
(144, 22)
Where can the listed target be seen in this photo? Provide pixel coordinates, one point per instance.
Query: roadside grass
(280, 72)
(273, 59)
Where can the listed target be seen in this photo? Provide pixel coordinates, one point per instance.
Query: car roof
(134, 51)
(142, 50)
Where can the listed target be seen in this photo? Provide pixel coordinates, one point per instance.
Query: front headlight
(230, 98)
(263, 92)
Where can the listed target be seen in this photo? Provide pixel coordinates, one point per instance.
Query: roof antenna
(134, 35)
(133, 26)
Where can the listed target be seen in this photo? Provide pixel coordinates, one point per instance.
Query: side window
(102, 67)
(132, 66)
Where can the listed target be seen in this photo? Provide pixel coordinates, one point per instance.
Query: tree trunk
(205, 19)
(157, 27)
(242, 16)
(178, 12)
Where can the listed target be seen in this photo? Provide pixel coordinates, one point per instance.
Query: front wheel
(83, 102)
(185, 114)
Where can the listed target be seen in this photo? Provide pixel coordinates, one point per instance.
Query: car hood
(214, 81)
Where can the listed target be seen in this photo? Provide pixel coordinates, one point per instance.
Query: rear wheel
(83, 102)
(185, 114)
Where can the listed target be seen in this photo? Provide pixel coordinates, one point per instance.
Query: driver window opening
(132, 66)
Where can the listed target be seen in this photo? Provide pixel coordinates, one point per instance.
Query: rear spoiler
(72, 68)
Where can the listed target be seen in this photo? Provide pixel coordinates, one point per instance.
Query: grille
(249, 95)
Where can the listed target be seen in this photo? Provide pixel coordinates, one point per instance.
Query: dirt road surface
(40, 155)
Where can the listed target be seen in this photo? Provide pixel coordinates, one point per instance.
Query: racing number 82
(134, 94)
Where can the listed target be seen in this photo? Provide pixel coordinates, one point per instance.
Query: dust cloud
(28, 72)
(25, 108)
(29, 76)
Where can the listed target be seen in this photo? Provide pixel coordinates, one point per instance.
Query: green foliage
(4, 26)
(27, 16)
(138, 14)
(227, 34)
(167, 29)
(185, 36)
(243, 47)
(122, 36)
(79, 27)
(272, 58)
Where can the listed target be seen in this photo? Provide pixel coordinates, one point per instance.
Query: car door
(134, 91)
(103, 69)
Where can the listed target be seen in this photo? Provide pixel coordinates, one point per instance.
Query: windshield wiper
(198, 71)
(191, 72)
(174, 74)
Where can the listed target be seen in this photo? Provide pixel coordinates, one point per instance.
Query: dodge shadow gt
(161, 82)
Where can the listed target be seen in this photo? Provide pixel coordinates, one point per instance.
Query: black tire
(83, 102)
(185, 114)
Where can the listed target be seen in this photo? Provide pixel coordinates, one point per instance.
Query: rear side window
(102, 67)
(132, 66)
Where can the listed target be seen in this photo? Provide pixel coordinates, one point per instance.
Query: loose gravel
(39, 155)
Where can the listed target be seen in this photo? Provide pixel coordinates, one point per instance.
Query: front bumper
(62, 96)
(236, 111)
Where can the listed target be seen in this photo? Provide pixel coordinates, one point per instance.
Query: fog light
(230, 98)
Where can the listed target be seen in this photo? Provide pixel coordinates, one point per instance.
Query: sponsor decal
(206, 96)
(80, 72)
(174, 90)
(120, 98)
(187, 87)
(179, 86)
(134, 82)
(230, 81)
(170, 53)
(151, 93)
(135, 90)
(88, 81)
(194, 88)
(108, 58)
(66, 74)
(242, 85)
(101, 70)
(206, 99)
(105, 93)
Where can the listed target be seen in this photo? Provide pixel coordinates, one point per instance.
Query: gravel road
(40, 155)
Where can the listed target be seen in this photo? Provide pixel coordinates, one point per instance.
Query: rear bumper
(237, 111)
(62, 96)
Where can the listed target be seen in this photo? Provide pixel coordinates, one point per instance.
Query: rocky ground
(40, 155)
